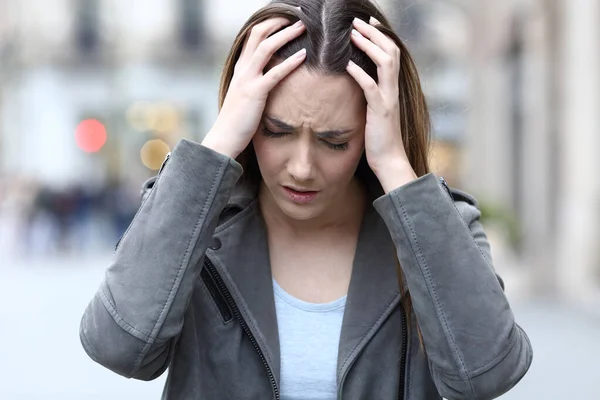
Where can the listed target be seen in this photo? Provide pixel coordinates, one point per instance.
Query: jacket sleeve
(475, 348)
(131, 324)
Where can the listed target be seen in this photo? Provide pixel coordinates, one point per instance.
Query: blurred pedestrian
(17, 198)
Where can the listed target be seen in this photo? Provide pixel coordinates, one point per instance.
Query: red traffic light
(90, 135)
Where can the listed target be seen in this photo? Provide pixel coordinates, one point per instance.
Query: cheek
(267, 155)
(341, 169)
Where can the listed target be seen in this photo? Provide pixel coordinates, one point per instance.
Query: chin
(300, 212)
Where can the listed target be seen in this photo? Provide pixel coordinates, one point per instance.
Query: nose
(301, 164)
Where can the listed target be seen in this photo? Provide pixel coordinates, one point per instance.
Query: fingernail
(299, 8)
(356, 33)
(298, 24)
(360, 21)
(373, 21)
(301, 53)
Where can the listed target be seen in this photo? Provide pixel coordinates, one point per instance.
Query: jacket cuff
(199, 161)
(413, 191)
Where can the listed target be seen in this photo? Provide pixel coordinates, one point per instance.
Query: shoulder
(457, 195)
(461, 196)
(147, 187)
(466, 204)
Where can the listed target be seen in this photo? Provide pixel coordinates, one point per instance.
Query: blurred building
(513, 87)
(143, 69)
(533, 136)
(514, 91)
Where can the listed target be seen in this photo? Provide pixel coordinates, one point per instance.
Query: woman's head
(320, 96)
(311, 138)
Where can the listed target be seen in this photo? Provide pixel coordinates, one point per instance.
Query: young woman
(303, 250)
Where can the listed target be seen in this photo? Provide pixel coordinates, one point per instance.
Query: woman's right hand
(245, 100)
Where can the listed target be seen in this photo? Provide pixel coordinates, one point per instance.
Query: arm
(135, 317)
(475, 348)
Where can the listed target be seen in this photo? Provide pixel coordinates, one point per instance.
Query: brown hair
(328, 50)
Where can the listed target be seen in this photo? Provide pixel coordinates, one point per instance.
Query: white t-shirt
(309, 337)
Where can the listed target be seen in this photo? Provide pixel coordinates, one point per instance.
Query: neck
(344, 214)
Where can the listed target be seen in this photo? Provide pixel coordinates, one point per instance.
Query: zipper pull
(446, 187)
(164, 164)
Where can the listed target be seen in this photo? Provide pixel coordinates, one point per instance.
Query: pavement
(42, 301)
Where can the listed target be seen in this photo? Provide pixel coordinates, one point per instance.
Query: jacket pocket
(216, 295)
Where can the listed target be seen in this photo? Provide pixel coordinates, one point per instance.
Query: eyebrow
(324, 134)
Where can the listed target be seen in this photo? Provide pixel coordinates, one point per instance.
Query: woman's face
(311, 139)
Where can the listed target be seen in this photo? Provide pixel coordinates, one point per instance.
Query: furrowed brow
(324, 134)
(279, 124)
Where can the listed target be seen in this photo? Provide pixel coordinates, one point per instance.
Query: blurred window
(87, 25)
(438, 35)
(407, 20)
(190, 26)
(516, 65)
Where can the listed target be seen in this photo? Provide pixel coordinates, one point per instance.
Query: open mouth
(300, 190)
(300, 195)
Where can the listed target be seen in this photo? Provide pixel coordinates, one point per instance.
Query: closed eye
(334, 146)
(269, 133)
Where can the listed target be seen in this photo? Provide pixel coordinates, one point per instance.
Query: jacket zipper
(163, 165)
(446, 187)
(236, 313)
(403, 354)
(216, 295)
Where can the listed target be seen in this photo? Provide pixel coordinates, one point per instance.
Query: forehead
(322, 101)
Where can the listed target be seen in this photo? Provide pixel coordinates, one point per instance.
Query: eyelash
(338, 147)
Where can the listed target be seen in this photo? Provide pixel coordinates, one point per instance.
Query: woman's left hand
(384, 147)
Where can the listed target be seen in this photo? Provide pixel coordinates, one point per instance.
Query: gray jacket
(190, 289)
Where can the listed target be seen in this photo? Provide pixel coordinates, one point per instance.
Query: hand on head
(244, 103)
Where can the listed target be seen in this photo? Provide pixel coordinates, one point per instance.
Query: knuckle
(265, 48)
(262, 47)
(371, 86)
(257, 30)
(388, 61)
(275, 75)
(239, 70)
(258, 54)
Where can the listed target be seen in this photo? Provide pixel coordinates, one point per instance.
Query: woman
(303, 250)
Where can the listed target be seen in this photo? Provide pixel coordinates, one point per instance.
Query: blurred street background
(94, 93)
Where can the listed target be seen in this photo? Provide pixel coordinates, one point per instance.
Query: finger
(373, 21)
(265, 50)
(283, 69)
(377, 37)
(387, 66)
(260, 32)
(368, 85)
(375, 53)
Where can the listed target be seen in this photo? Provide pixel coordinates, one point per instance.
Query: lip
(300, 196)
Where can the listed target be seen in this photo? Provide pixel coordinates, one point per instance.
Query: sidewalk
(43, 301)
(566, 347)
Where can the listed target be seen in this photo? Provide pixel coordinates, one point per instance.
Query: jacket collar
(243, 260)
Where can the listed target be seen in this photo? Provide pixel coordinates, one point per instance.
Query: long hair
(328, 49)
